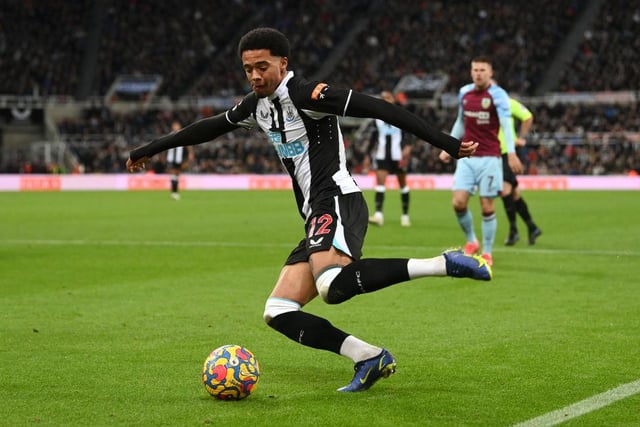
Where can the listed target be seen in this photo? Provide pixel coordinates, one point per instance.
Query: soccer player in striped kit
(300, 118)
(390, 156)
(176, 162)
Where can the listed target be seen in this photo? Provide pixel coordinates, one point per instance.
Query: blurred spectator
(176, 38)
(315, 28)
(42, 44)
(424, 37)
(609, 55)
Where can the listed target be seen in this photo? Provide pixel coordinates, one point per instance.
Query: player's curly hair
(265, 38)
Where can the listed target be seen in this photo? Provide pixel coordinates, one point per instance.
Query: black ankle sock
(405, 203)
(523, 211)
(379, 200)
(510, 210)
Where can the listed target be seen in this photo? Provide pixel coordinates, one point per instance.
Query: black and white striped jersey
(300, 120)
(388, 142)
(175, 156)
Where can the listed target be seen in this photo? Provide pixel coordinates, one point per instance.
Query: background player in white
(176, 162)
(301, 120)
(389, 156)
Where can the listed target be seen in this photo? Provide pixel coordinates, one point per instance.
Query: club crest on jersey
(290, 116)
(485, 103)
(318, 91)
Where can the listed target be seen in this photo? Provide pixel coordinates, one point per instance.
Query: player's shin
(510, 209)
(174, 183)
(285, 316)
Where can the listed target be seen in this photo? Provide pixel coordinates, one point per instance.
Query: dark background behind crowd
(65, 51)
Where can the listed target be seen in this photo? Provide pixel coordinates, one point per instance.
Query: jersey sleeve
(519, 111)
(457, 131)
(203, 130)
(318, 96)
(243, 113)
(503, 109)
(361, 105)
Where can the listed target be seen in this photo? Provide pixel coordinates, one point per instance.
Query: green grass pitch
(111, 301)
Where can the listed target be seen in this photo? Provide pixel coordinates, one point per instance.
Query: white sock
(358, 350)
(427, 267)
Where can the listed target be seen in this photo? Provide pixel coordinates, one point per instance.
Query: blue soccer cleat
(371, 370)
(472, 266)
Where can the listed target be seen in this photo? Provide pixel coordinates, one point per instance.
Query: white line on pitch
(288, 245)
(82, 242)
(584, 406)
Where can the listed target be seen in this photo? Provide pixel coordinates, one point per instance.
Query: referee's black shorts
(507, 173)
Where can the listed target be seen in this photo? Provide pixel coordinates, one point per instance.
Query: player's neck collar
(282, 87)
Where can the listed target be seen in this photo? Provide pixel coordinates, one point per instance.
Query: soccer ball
(231, 372)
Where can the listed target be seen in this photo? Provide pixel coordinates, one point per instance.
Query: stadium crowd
(176, 40)
(42, 46)
(424, 37)
(566, 139)
(608, 56)
(385, 41)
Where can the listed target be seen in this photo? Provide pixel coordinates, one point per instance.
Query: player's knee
(460, 210)
(324, 281)
(339, 284)
(277, 306)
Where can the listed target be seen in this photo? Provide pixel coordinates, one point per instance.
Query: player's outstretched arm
(361, 105)
(196, 133)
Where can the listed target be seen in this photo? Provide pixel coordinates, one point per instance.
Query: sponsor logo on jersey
(289, 149)
(317, 91)
(274, 137)
(315, 242)
(480, 115)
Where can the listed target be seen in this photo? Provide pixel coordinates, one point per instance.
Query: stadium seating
(83, 46)
(42, 45)
(609, 55)
(192, 45)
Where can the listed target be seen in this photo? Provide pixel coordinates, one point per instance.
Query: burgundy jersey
(481, 112)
